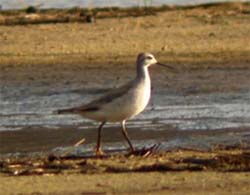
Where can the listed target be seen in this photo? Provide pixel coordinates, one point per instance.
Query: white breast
(126, 106)
(131, 103)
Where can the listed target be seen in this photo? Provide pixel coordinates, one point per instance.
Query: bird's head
(147, 59)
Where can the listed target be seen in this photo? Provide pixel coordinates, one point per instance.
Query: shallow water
(201, 112)
(16, 4)
(182, 114)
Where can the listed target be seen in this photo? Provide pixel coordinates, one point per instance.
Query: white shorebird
(121, 103)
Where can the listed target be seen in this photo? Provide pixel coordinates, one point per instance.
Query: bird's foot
(145, 151)
(99, 152)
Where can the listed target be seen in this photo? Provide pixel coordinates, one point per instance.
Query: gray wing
(97, 103)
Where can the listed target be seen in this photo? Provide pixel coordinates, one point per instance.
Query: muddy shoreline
(45, 140)
(164, 173)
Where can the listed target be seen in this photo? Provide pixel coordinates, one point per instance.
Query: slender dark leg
(98, 151)
(125, 134)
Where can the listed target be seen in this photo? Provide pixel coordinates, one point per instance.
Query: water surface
(16, 4)
(191, 109)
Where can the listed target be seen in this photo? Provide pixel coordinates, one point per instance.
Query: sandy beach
(202, 36)
(127, 183)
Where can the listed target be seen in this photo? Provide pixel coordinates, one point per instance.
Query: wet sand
(46, 140)
(199, 40)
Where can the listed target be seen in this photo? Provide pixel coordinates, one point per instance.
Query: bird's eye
(149, 58)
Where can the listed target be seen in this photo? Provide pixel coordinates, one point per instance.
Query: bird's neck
(142, 73)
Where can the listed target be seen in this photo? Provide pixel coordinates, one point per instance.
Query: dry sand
(170, 183)
(203, 36)
(177, 172)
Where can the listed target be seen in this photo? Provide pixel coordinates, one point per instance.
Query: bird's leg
(98, 150)
(125, 134)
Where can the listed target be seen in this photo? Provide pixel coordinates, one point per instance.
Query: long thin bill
(167, 66)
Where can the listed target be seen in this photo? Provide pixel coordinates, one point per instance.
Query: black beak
(167, 66)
